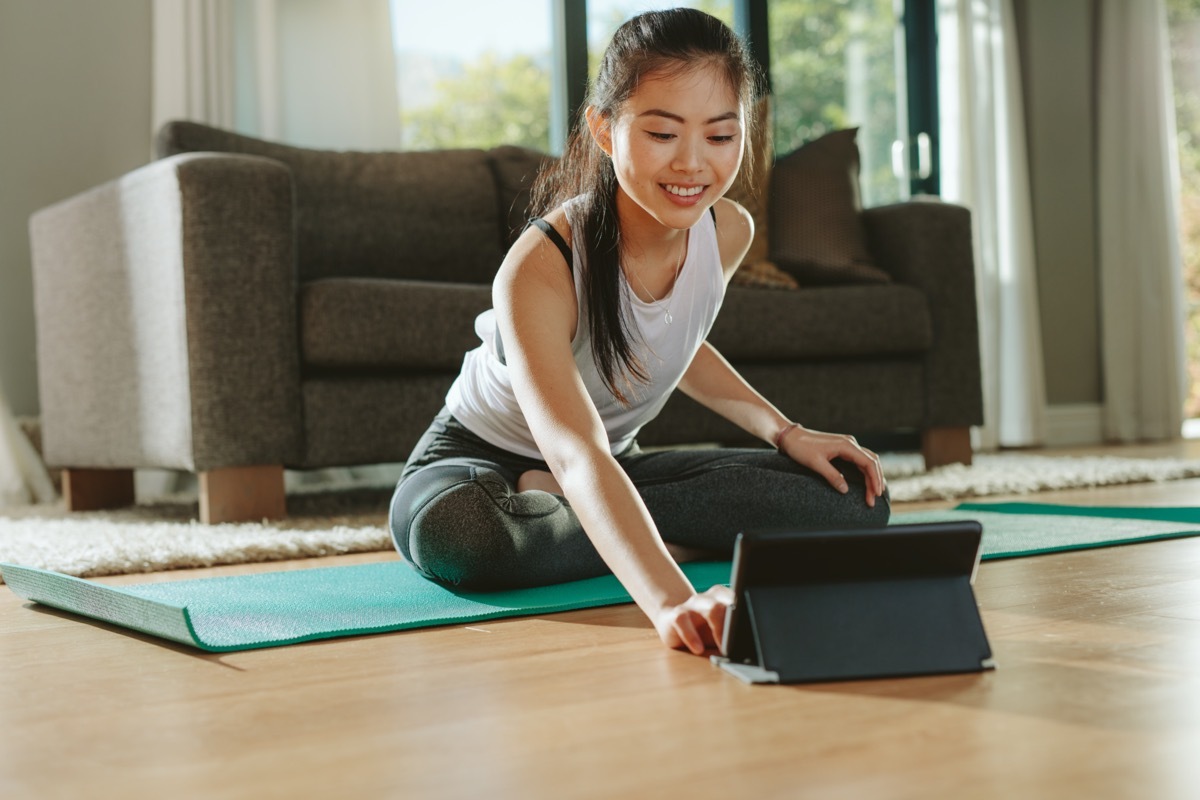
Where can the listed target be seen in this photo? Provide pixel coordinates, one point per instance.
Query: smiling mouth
(683, 191)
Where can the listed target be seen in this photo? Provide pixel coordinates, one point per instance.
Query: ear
(601, 131)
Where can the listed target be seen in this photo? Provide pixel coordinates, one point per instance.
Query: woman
(531, 474)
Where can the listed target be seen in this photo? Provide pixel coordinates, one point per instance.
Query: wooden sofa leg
(242, 494)
(97, 489)
(942, 446)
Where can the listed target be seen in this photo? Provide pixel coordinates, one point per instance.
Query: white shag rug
(164, 534)
(1010, 473)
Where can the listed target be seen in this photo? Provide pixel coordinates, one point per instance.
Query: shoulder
(535, 275)
(735, 231)
(535, 250)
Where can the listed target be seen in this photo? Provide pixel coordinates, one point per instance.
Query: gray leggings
(457, 517)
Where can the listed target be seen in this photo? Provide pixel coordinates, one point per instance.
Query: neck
(642, 235)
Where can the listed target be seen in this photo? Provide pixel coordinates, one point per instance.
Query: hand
(816, 450)
(697, 623)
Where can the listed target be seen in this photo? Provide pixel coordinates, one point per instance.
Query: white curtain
(985, 167)
(23, 478)
(193, 62)
(1142, 304)
(314, 73)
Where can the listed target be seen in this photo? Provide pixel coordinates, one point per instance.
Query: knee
(453, 521)
(431, 514)
(857, 509)
(882, 512)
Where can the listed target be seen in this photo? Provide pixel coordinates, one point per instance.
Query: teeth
(683, 191)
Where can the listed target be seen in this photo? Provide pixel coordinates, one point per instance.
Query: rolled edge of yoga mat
(101, 602)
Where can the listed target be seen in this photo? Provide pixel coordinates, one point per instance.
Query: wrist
(782, 434)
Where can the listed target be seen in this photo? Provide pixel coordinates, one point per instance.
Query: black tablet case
(840, 605)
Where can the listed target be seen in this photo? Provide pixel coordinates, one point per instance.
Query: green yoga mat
(277, 608)
(1011, 530)
(266, 609)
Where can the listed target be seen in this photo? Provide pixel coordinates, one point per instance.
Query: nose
(688, 158)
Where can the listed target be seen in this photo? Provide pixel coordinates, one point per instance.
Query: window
(838, 64)
(476, 73)
(486, 74)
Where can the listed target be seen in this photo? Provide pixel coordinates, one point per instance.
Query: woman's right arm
(534, 300)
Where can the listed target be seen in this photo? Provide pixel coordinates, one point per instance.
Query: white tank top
(482, 397)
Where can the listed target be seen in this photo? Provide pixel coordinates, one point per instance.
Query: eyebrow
(658, 112)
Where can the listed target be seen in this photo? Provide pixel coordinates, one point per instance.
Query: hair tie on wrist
(784, 432)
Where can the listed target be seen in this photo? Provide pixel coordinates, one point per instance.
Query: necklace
(667, 318)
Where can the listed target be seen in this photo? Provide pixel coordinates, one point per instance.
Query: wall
(75, 99)
(1057, 47)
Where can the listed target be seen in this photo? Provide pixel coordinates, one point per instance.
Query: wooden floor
(1097, 695)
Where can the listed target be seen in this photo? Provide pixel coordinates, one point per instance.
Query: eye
(661, 137)
(722, 139)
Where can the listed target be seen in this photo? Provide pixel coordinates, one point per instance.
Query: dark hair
(675, 42)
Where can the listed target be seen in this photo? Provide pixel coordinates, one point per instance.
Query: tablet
(852, 604)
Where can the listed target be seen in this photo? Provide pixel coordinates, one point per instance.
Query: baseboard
(1074, 424)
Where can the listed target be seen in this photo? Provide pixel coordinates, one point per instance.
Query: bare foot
(538, 479)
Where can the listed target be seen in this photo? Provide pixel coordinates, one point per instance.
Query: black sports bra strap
(556, 237)
(561, 244)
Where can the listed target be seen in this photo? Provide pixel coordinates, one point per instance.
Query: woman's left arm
(714, 383)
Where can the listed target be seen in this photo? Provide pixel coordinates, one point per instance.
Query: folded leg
(704, 498)
(461, 522)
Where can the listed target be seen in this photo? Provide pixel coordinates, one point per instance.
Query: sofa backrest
(442, 215)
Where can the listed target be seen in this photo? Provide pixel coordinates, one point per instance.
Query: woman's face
(676, 144)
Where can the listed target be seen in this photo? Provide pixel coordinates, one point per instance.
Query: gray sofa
(238, 306)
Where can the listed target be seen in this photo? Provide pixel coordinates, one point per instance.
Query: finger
(716, 623)
(688, 634)
(868, 464)
(877, 472)
(829, 472)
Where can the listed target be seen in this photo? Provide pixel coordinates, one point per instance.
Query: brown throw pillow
(817, 233)
(763, 275)
(756, 269)
(515, 169)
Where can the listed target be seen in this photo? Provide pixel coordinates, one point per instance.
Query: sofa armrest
(927, 245)
(165, 308)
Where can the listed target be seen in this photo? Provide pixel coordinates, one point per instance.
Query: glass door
(475, 74)
(839, 64)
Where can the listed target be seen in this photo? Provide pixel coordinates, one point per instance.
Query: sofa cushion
(817, 232)
(827, 323)
(364, 324)
(420, 215)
